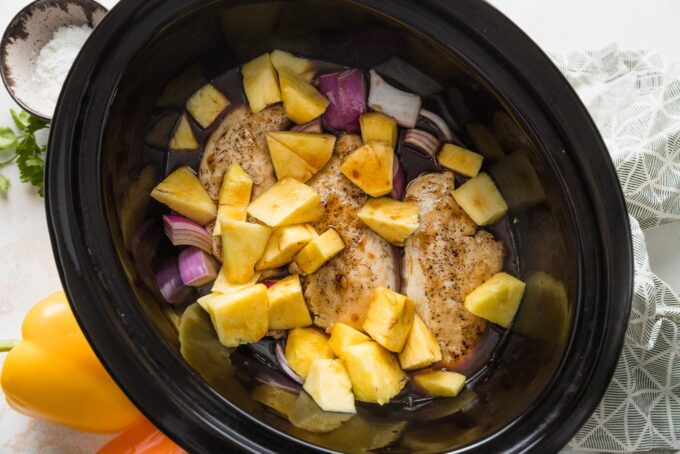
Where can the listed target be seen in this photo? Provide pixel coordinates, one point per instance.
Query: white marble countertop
(28, 272)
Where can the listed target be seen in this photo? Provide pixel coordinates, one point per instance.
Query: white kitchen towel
(635, 100)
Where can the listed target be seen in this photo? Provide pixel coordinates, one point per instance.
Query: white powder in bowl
(55, 59)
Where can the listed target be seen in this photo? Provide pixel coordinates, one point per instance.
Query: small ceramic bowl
(26, 34)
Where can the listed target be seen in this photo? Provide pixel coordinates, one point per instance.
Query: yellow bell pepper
(53, 374)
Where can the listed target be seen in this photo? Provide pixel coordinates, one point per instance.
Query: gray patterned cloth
(635, 100)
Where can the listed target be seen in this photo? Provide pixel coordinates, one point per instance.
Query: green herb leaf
(7, 139)
(21, 119)
(4, 184)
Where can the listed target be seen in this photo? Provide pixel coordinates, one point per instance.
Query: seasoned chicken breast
(341, 290)
(240, 138)
(444, 260)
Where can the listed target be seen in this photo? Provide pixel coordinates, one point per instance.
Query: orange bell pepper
(53, 374)
(143, 438)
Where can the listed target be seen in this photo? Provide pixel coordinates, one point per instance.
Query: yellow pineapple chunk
(393, 220)
(182, 192)
(440, 383)
(343, 336)
(314, 148)
(287, 202)
(389, 318)
(304, 346)
(234, 196)
(240, 317)
(286, 163)
(276, 398)
(206, 105)
(421, 348)
(484, 142)
(480, 199)
(242, 246)
(329, 385)
(374, 372)
(287, 307)
(370, 168)
(301, 101)
(183, 138)
(222, 284)
(284, 243)
(260, 83)
(378, 127)
(460, 160)
(298, 66)
(497, 299)
(320, 250)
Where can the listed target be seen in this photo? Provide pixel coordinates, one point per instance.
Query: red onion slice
(423, 142)
(196, 267)
(346, 92)
(170, 283)
(283, 362)
(270, 282)
(398, 180)
(439, 123)
(185, 232)
(313, 126)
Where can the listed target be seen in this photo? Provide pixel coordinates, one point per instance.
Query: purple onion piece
(422, 142)
(270, 282)
(169, 281)
(283, 362)
(436, 124)
(196, 267)
(251, 368)
(352, 97)
(315, 125)
(398, 180)
(185, 232)
(328, 85)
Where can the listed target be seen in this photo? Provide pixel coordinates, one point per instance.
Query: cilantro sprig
(21, 147)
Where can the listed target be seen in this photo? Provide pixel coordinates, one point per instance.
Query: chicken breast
(444, 260)
(240, 138)
(341, 290)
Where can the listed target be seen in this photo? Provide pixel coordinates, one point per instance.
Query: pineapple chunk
(260, 83)
(497, 299)
(320, 250)
(480, 199)
(222, 284)
(374, 372)
(183, 138)
(287, 308)
(182, 192)
(287, 163)
(316, 149)
(301, 101)
(276, 398)
(460, 160)
(206, 105)
(370, 168)
(483, 140)
(304, 346)
(329, 385)
(517, 179)
(234, 196)
(389, 318)
(378, 127)
(307, 415)
(421, 348)
(393, 220)
(440, 383)
(299, 66)
(343, 336)
(242, 246)
(544, 313)
(240, 317)
(284, 243)
(287, 202)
